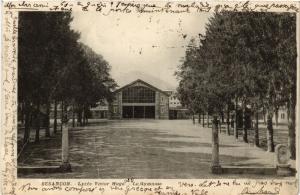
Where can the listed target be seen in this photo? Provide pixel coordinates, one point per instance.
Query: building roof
(143, 82)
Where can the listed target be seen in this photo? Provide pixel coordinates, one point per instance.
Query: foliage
(249, 56)
(54, 66)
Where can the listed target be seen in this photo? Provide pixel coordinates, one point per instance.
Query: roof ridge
(140, 80)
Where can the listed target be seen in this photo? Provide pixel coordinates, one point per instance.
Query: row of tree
(54, 68)
(245, 61)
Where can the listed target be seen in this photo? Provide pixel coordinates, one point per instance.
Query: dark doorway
(149, 111)
(127, 111)
(138, 111)
(172, 114)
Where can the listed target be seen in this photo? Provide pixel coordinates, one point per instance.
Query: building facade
(282, 116)
(173, 100)
(139, 100)
(100, 111)
(176, 110)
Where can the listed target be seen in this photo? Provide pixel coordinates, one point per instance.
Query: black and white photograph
(205, 95)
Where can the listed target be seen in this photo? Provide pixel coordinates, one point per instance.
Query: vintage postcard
(150, 97)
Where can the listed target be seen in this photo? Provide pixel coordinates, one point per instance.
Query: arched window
(138, 94)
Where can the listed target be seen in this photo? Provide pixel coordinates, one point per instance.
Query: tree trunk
(270, 141)
(22, 116)
(220, 124)
(47, 128)
(61, 115)
(31, 119)
(55, 117)
(264, 114)
(245, 131)
(86, 116)
(83, 117)
(22, 113)
(228, 121)
(66, 113)
(256, 130)
(199, 118)
(291, 125)
(79, 116)
(207, 118)
(203, 120)
(276, 116)
(222, 116)
(193, 117)
(73, 116)
(288, 111)
(235, 131)
(37, 123)
(27, 123)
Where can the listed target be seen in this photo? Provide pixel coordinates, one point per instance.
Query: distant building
(100, 111)
(139, 99)
(97, 112)
(174, 102)
(282, 115)
(176, 110)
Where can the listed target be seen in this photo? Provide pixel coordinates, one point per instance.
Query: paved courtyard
(143, 149)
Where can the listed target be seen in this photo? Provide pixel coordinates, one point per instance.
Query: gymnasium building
(139, 100)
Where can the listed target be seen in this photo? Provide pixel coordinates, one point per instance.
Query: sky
(140, 44)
